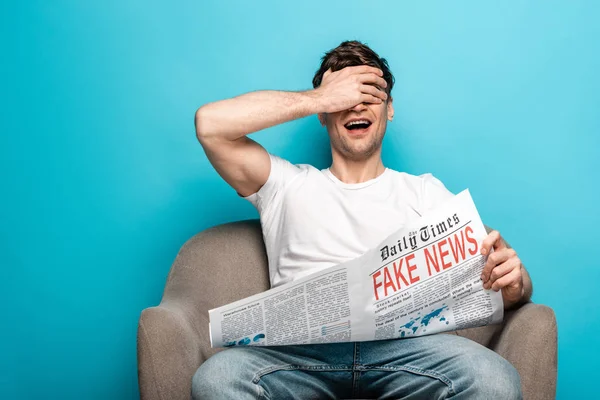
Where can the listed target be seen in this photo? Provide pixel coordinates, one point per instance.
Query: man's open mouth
(358, 124)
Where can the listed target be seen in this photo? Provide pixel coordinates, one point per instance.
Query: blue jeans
(426, 367)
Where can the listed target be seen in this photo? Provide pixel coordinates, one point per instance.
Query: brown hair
(353, 53)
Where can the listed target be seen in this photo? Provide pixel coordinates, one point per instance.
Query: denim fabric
(427, 367)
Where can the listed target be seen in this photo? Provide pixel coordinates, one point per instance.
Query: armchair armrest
(529, 341)
(168, 353)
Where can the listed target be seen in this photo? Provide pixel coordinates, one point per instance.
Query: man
(313, 219)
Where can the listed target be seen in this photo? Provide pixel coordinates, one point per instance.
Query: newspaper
(421, 280)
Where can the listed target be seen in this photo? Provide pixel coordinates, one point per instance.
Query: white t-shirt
(311, 220)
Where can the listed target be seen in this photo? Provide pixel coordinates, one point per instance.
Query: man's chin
(359, 153)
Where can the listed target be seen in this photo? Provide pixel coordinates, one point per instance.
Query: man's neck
(349, 171)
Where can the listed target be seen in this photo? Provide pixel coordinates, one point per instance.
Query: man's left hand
(502, 270)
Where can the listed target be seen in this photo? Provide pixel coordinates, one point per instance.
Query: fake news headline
(443, 246)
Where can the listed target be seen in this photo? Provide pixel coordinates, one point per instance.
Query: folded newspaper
(421, 280)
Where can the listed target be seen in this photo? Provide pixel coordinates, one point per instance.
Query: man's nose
(359, 107)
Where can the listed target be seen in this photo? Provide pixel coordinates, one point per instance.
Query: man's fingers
(492, 241)
(497, 257)
(373, 80)
(364, 69)
(372, 90)
(500, 270)
(511, 278)
(369, 98)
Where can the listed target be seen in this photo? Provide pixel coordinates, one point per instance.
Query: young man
(313, 219)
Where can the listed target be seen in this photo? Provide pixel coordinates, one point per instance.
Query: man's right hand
(344, 89)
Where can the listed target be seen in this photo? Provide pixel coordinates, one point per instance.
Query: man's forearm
(251, 112)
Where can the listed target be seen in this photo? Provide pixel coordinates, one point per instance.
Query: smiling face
(361, 141)
(356, 134)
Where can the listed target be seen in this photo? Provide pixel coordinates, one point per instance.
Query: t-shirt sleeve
(281, 174)
(433, 193)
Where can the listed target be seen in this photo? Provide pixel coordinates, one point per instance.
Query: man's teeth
(362, 121)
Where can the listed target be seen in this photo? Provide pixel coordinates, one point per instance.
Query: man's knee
(494, 378)
(227, 374)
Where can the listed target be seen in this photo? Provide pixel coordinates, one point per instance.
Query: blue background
(103, 179)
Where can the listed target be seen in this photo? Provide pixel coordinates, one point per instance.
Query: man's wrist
(514, 303)
(313, 101)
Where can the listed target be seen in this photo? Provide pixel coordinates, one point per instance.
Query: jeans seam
(294, 367)
(430, 373)
(355, 371)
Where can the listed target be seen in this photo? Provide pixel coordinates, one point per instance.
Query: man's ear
(322, 119)
(390, 108)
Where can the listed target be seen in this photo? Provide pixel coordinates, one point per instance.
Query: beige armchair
(228, 262)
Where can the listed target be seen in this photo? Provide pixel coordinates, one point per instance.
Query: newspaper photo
(423, 279)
